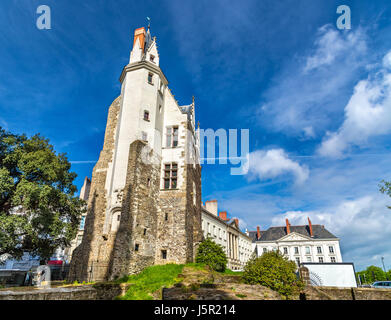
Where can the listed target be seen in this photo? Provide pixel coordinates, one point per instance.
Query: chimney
(236, 222)
(223, 215)
(288, 228)
(211, 206)
(140, 35)
(258, 233)
(310, 225)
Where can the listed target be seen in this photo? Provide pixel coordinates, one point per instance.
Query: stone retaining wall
(335, 293)
(99, 291)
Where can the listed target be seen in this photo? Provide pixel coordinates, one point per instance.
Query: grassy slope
(150, 280)
(153, 278)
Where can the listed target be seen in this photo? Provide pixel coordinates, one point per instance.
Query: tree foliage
(39, 211)
(212, 254)
(372, 274)
(273, 271)
(385, 187)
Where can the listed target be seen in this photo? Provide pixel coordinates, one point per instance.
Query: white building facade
(226, 232)
(309, 243)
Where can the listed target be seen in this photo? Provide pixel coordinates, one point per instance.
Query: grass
(150, 280)
(153, 278)
(233, 273)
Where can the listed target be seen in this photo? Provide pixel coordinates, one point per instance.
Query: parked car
(382, 284)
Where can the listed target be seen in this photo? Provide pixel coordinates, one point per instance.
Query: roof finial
(198, 124)
(193, 100)
(149, 22)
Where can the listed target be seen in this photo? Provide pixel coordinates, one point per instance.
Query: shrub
(273, 271)
(212, 254)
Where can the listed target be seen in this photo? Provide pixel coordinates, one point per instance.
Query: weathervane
(149, 22)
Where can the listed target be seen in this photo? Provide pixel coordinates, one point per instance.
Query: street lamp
(382, 260)
(384, 268)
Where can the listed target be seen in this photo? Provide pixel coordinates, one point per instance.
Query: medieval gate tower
(144, 204)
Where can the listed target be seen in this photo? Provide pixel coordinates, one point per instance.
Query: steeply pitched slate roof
(252, 235)
(276, 233)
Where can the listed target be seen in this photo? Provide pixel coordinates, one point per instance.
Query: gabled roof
(276, 233)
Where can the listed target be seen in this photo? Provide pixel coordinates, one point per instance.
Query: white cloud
(312, 89)
(3, 124)
(368, 113)
(330, 44)
(387, 60)
(309, 132)
(273, 163)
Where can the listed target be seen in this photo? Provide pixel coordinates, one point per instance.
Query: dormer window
(146, 115)
(152, 58)
(150, 78)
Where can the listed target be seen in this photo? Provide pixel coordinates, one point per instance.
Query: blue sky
(317, 100)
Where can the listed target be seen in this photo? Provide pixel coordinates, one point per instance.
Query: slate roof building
(305, 243)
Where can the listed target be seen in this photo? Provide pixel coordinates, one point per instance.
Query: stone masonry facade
(135, 218)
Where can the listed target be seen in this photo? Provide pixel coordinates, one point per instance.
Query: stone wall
(100, 291)
(90, 258)
(152, 221)
(135, 241)
(335, 293)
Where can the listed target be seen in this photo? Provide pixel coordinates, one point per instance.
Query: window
(136, 246)
(164, 254)
(309, 259)
(166, 217)
(332, 259)
(296, 250)
(152, 58)
(331, 249)
(172, 137)
(298, 260)
(319, 249)
(118, 217)
(82, 223)
(144, 136)
(146, 115)
(170, 176)
(149, 182)
(285, 250)
(264, 250)
(150, 78)
(160, 109)
(320, 259)
(307, 250)
(145, 232)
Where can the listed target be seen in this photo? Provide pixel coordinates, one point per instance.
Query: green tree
(385, 187)
(212, 254)
(39, 211)
(372, 274)
(273, 271)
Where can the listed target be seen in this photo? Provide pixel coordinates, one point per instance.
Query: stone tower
(144, 204)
